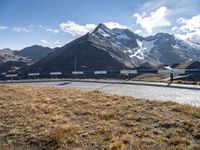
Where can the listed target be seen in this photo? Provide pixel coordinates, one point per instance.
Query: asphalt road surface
(185, 94)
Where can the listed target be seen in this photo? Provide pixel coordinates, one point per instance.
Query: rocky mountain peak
(101, 26)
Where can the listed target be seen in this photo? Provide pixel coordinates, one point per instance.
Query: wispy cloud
(44, 42)
(41, 26)
(52, 30)
(155, 19)
(3, 27)
(21, 29)
(174, 5)
(56, 42)
(152, 5)
(30, 28)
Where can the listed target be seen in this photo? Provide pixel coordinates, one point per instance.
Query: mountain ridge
(11, 60)
(124, 48)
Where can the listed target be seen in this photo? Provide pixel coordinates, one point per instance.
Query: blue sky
(56, 22)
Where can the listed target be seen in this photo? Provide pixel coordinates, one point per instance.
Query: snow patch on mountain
(139, 53)
(148, 45)
(103, 33)
(140, 44)
(122, 36)
(143, 49)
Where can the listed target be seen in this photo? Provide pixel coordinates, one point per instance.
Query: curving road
(185, 94)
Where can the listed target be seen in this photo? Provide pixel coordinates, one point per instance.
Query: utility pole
(75, 64)
(75, 67)
(123, 61)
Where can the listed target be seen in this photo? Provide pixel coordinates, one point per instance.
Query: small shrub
(64, 133)
(116, 145)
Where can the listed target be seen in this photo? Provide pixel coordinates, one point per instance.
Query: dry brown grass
(51, 118)
(64, 133)
(151, 77)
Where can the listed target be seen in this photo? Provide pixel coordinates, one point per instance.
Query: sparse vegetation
(51, 118)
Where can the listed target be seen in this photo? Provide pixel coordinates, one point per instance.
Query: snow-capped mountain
(162, 48)
(113, 49)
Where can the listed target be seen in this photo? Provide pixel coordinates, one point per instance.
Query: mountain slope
(9, 61)
(117, 49)
(162, 48)
(168, 49)
(189, 65)
(34, 52)
(88, 53)
(9, 55)
(12, 60)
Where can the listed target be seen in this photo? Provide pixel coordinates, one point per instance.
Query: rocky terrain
(12, 60)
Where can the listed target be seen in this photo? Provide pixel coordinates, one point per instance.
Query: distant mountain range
(11, 60)
(106, 48)
(35, 52)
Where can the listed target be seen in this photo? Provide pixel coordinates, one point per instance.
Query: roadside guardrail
(170, 72)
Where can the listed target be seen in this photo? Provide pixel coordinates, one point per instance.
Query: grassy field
(50, 118)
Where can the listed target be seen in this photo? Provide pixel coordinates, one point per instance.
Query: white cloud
(52, 30)
(48, 29)
(181, 36)
(21, 29)
(177, 7)
(76, 29)
(79, 30)
(41, 26)
(156, 19)
(174, 28)
(16, 29)
(113, 25)
(152, 5)
(44, 42)
(56, 42)
(138, 31)
(3, 27)
(189, 28)
(190, 25)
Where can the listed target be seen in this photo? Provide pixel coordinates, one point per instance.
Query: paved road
(185, 94)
